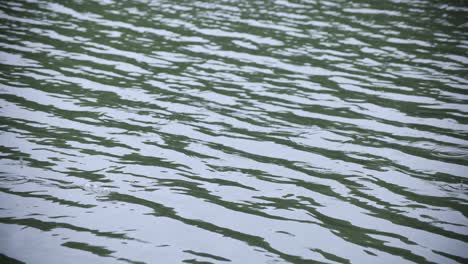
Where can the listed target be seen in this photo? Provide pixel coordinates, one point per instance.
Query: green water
(233, 131)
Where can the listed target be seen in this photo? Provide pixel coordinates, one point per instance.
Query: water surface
(234, 131)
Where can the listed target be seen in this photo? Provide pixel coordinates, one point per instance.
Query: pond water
(234, 131)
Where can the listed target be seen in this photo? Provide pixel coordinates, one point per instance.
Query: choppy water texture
(234, 131)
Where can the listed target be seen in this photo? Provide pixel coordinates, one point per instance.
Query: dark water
(234, 131)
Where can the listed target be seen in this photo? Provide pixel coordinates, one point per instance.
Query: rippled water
(234, 131)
